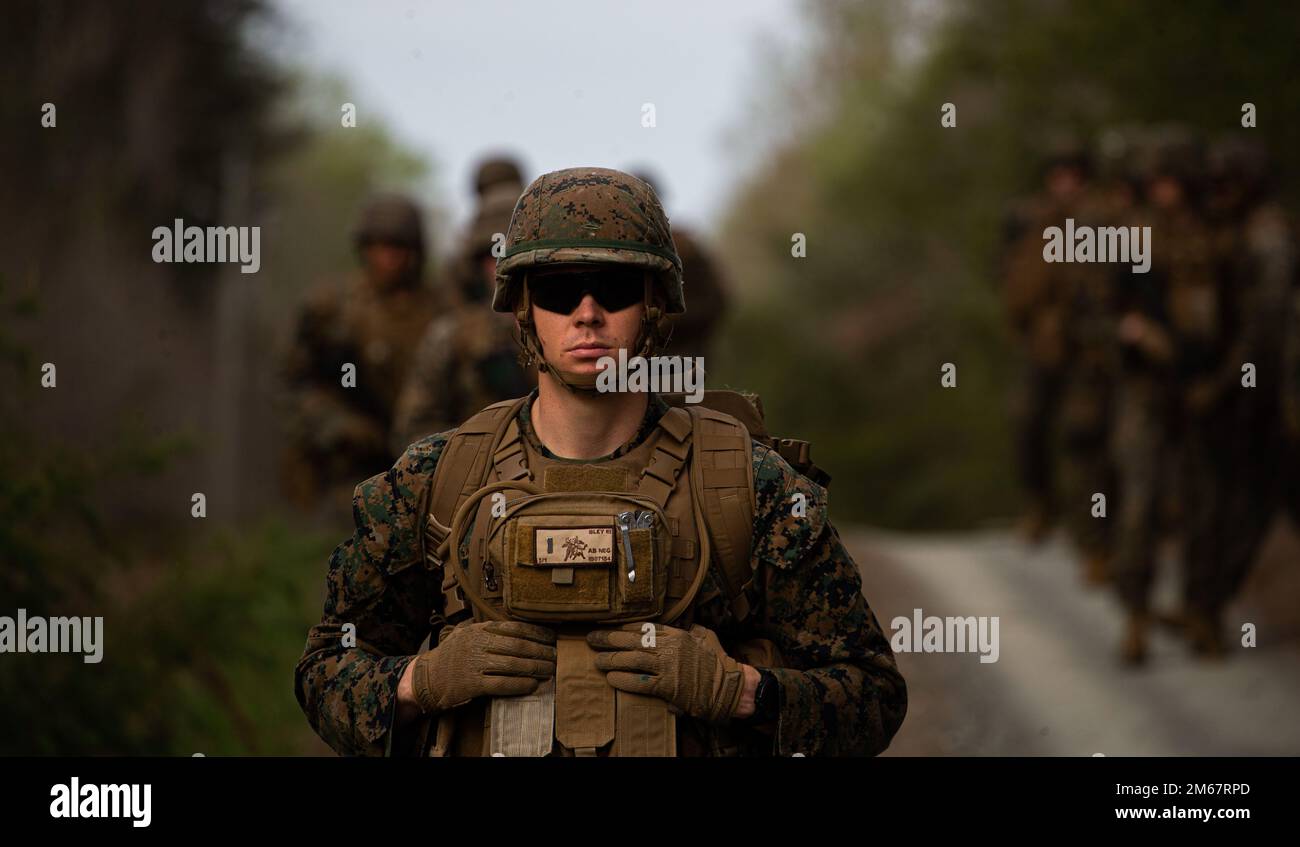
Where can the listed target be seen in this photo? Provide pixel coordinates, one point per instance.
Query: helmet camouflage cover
(589, 215)
(491, 217)
(1173, 150)
(1235, 157)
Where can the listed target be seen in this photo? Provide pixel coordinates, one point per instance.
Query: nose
(589, 312)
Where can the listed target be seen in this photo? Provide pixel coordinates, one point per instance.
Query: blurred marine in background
(466, 359)
(1037, 296)
(354, 344)
(1172, 332)
(1234, 403)
(1167, 391)
(692, 333)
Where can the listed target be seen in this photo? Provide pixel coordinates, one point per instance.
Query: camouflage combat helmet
(391, 218)
(492, 217)
(1118, 150)
(1174, 151)
(649, 178)
(589, 215)
(497, 170)
(1063, 149)
(1234, 157)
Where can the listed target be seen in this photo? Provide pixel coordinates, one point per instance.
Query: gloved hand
(689, 669)
(490, 658)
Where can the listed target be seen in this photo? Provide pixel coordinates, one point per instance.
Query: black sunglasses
(614, 290)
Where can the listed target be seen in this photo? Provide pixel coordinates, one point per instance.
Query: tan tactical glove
(689, 669)
(492, 658)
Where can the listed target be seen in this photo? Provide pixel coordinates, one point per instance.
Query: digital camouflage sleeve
(841, 692)
(840, 689)
(375, 583)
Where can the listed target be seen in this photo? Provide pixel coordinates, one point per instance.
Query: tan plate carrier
(546, 544)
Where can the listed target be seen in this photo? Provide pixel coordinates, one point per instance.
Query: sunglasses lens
(620, 290)
(562, 292)
(556, 293)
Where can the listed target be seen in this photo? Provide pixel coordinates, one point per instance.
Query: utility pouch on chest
(598, 557)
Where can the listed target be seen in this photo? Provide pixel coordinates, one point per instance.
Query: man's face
(1064, 182)
(584, 312)
(1166, 192)
(387, 264)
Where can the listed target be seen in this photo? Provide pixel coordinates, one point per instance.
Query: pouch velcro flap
(583, 557)
(584, 701)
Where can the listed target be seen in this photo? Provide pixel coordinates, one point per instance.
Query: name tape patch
(574, 545)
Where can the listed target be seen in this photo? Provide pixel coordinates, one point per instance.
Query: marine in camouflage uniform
(1238, 437)
(1092, 356)
(702, 277)
(371, 321)
(1290, 398)
(1035, 295)
(835, 688)
(1174, 334)
(466, 359)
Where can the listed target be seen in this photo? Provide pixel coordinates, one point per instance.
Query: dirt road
(1057, 688)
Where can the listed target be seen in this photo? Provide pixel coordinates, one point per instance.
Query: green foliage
(201, 632)
(228, 625)
(170, 112)
(197, 655)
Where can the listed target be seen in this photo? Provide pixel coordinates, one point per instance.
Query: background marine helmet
(497, 170)
(390, 218)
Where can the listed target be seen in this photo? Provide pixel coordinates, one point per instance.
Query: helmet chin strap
(650, 339)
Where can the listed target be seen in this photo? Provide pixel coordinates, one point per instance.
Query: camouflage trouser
(1231, 491)
(1034, 412)
(1086, 465)
(1144, 458)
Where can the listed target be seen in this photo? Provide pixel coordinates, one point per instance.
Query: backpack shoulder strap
(463, 468)
(672, 449)
(722, 480)
(747, 408)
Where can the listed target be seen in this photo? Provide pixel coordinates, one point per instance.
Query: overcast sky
(557, 83)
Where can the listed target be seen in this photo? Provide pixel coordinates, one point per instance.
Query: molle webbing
(584, 702)
(589, 715)
(723, 477)
(716, 451)
(671, 450)
(462, 469)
